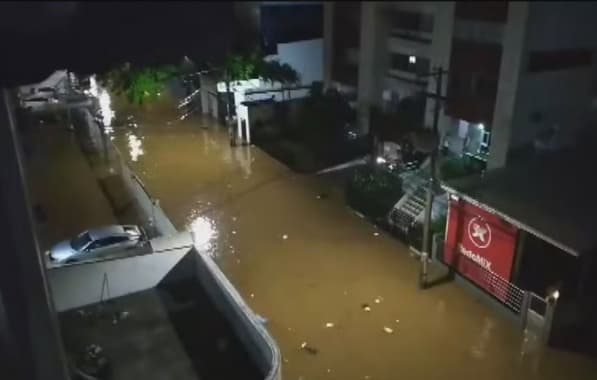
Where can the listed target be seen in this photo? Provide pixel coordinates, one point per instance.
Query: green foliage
(326, 116)
(373, 191)
(252, 65)
(139, 84)
(459, 167)
(438, 226)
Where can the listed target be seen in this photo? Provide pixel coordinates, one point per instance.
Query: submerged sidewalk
(339, 296)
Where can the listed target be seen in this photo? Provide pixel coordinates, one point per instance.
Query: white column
(204, 95)
(328, 42)
(508, 83)
(372, 49)
(440, 52)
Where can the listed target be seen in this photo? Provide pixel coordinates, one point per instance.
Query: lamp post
(432, 148)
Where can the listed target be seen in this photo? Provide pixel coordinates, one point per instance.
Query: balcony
(405, 77)
(399, 45)
(412, 36)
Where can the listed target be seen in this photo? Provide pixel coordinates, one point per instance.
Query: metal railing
(505, 291)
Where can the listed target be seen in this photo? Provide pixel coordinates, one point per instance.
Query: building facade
(519, 74)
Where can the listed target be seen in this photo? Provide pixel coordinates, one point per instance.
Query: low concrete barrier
(251, 332)
(146, 204)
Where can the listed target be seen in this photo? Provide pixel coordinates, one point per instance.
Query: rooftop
(552, 196)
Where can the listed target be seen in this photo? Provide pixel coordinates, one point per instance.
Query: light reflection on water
(135, 145)
(204, 234)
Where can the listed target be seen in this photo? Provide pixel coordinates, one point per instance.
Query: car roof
(107, 231)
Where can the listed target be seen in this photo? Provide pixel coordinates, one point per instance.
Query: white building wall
(561, 97)
(546, 22)
(511, 67)
(441, 48)
(306, 57)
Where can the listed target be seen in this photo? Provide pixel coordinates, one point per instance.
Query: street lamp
(427, 142)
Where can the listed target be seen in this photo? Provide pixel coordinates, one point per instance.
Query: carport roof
(552, 196)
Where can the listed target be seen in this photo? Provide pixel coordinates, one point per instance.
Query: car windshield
(80, 241)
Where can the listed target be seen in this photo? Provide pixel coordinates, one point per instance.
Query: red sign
(480, 246)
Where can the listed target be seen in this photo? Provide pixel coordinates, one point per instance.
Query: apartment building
(519, 73)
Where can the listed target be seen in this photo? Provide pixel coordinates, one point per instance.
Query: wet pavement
(340, 297)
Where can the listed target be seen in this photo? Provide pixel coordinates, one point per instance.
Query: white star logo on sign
(479, 232)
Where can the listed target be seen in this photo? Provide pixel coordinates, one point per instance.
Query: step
(413, 207)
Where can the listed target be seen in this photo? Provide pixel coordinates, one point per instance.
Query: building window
(540, 61)
(490, 11)
(412, 21)
(410, 63)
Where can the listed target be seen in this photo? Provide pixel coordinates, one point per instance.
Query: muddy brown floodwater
(340, 297)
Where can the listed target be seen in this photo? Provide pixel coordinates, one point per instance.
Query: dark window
(559, 60)
(411, 64)
(412, 21)
(491, 11)
(115, 240)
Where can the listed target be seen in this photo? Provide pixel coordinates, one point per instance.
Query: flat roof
(552, 196)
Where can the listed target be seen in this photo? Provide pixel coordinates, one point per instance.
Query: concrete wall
(561, 97)
(254, 336)
(78, 285)
(555, 25)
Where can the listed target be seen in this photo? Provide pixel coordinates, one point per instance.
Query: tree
(139, 84)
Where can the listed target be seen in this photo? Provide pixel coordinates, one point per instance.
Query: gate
(537, 316)
(535, 313)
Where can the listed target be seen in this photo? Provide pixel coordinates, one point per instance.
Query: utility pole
(423, 272)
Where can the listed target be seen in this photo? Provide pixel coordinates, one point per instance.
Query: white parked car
(97, 243)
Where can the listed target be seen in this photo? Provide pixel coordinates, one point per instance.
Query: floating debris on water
(252, 295)
(376, 234)
(397, 320)
(234, 218)
(366, 307)
(378, 299)
(388, 330)
(233, 232)
(329, 324)
(310, 350)
(284, 236)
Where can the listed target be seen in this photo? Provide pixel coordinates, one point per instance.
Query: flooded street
(340, 297)
(65, 192)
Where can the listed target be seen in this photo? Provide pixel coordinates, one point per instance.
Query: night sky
(93, 36)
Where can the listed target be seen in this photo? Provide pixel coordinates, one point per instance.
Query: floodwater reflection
(320, 275)
(135, 146)
(204, 232)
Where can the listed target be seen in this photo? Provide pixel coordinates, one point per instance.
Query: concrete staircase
(412, 204)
